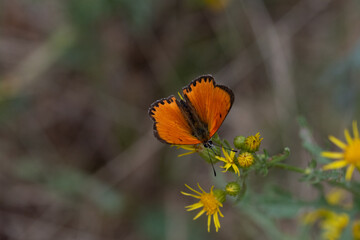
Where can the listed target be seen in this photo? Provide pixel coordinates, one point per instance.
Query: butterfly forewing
(211, 102)
(170, 125)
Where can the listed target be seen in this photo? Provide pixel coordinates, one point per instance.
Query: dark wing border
(209, 77)
(151, 113)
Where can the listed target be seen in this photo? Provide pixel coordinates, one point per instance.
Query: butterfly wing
(211, 102)
(170, 125)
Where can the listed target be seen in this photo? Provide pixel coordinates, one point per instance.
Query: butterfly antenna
(233, 150)
(212, 164)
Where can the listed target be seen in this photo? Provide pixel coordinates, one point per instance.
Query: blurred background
(78, 159)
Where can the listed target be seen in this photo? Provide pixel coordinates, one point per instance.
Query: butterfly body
(195, 118)
(199, 129)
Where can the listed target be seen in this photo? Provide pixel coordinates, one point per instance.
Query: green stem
(288, 167)
(346, 186)
(280, 157)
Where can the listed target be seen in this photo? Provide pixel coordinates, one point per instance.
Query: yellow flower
(356, 230)
(210, 204)
(350, 155)
(338, 197)
(252, 143)
(331, 223)
(229, 161)
(245, 159)
(191, 148)
(313, 216)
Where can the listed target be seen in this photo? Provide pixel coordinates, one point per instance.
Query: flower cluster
(333, 216)
(234, 161)
(333, 223)
(245, 158)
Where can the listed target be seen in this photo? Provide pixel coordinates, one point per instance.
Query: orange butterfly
(194, 119)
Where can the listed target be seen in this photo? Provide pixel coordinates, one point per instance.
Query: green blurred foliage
(72, 185)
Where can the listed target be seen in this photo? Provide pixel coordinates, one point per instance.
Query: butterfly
(196, 117)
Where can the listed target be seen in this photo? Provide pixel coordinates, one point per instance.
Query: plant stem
(279, 157)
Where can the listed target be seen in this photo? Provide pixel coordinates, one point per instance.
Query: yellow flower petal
(236, 170)
(191, 148)
(194, 206)
(192, 189)
(220, 158)
(209, 222)
(203, 189)
(334, 165)
(220, 213)
(199, 214)
(186, 147)
(349, 172)
(347, 136)
(232, 155)
(335, 155)
(226, 167)
(187, 153)
(216, 221)
(191, 195)
(337, 142)
(355, 130)
(225, 154)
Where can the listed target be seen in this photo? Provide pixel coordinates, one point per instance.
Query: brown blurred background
(78, 159)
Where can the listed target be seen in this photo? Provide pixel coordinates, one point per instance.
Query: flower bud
(239, 141)
(245, 159)
(252, 143)
(220, 195)
(232, 189)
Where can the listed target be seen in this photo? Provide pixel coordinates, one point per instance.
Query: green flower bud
(239, 141)
(232, 189)
(220, 195)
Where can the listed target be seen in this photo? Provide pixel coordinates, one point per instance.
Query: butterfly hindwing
(170, 125)
(211, 102)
